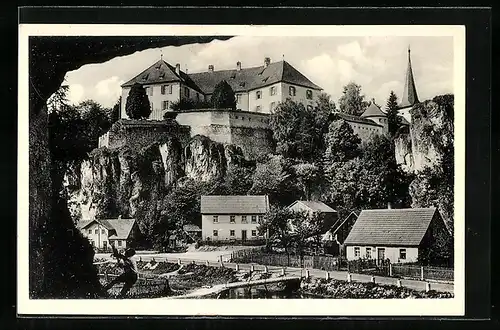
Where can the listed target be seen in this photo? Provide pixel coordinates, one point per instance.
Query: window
(261, 218)
(309, 94)
(215, 233)
(197, 96)
(291, 90)
(103, 231)
(257, 108)
(238, 98)
(90, 231)
(272, 106)
(356, 252)
(186, 91)
(232, 219)
(216, 218)
(119, 243)
(272, 90)
(163, 87)
(165, 105)
(254, 232)
(92, 242)
(258, 95)
(254, 219)
(96, 231)
(231, 232)
(402, 254)
(243, 219)
(104, 244)
(169, 89)
(369, 253)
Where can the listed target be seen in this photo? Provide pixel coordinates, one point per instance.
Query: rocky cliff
(131, 183)
(431, 129)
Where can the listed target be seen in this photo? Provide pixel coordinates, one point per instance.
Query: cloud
(107, 91)
(75, 93)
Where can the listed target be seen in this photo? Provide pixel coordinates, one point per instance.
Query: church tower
(410, 96)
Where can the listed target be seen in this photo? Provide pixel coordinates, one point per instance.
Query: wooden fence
(328, 263)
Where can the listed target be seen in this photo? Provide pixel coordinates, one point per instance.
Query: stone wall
(247, 130)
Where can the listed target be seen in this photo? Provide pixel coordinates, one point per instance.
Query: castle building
(410, 96)
(257, 89)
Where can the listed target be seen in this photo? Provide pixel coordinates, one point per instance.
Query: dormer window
(242, 84)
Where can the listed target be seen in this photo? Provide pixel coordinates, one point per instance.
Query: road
(212, 258)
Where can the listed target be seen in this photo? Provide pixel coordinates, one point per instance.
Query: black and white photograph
(224, 170)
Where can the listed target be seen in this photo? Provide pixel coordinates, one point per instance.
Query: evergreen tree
(137, 106)
(352, 102)
(342, 144)
(114, 113)
(394, 121)
(223, 96)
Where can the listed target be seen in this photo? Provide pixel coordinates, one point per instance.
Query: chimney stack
(211, 68)
(267, 61)
(178, 69)
(238, 65)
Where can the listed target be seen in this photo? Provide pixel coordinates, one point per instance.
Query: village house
(232, 217)
(329, 215)
(122, 233)
(189, 234)
(257, 89)
(335, 237)
(400, 235)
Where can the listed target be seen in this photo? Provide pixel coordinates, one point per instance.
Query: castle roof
(356, 119)
(373, 111)
(162, 72)
(251, 78)
(241, 80)
(410, 91)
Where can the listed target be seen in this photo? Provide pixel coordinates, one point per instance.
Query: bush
(137, 105)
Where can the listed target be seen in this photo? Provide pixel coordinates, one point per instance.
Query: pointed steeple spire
(410, 96)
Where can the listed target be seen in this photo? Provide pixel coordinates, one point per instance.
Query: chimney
(267, 61)
(178, 69)
(210, 68)
(238, 65)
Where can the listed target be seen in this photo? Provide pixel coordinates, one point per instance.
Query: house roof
(240, 80)
(373, 111)
(162, 72)
(338, 224)
(234, 204)
(121, 227)
(403, 227)
(357, 119)
(191, 227)
(315, 206)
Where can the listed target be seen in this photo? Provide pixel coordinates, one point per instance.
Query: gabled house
(335, 237)
(328, 214)
(232, 217)
(122, 233)
(400, 235)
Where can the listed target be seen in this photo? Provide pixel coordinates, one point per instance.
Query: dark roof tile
(403, 227)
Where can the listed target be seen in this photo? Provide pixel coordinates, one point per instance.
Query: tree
(274, 177)
(342, 144)
(223, 96)
(352, 101)
(137, 105)
(305, 226)
(394, 121)
(297, 132)
(308, 176)
(114, 113)
(96, 119)
(276, 225)
(237, 180)
(59, 100)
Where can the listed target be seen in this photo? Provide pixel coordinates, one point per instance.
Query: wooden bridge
(292, 282)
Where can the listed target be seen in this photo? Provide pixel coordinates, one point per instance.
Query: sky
(378, 64)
